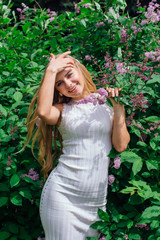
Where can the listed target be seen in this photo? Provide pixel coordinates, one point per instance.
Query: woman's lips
(74, 89)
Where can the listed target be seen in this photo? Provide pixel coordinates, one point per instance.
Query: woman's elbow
(122, 146)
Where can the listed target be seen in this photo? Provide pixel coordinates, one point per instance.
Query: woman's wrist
(51, 70)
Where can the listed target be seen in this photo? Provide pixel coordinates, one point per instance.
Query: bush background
(96, 35)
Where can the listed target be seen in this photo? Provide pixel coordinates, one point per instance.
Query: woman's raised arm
(45, 109)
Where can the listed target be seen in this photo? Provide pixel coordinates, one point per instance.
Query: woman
(77, 187)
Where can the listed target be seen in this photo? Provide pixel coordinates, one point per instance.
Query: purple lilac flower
(154, 56)
(24, 7)
(111, 179)
(88, 58)
(107, 65)
(19, 10)
(102, 92)
(124, 35)
(144, 22)
(121, 69)
(77, 9)
(9, 162)
(142, 225)
(102, 238)
(139, 101)
(31, 174)
(110, 21)
(117, 162)
(99, 24)
(152, 15)
(100, 99)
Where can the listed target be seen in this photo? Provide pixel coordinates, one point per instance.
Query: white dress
(77, 187)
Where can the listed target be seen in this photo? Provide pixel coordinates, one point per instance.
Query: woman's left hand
(114, 92)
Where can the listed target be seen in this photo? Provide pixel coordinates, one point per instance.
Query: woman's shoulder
(59, 106)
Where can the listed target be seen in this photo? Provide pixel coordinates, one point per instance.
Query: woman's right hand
(60, 63)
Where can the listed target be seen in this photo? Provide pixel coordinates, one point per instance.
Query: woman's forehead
(63, 73)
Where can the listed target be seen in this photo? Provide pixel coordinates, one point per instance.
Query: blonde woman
(77, 186)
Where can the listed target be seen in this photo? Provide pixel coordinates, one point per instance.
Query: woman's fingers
(113, 92)
(52, 56)
(65, 54)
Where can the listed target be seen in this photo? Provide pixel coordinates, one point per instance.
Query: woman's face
(70, 83)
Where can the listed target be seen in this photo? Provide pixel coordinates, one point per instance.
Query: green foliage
(113, 48)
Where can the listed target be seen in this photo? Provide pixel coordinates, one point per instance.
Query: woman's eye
(69, 74)
(58, 84)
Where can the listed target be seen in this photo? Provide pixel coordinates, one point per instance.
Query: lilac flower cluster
(154, 56)
(99, 24)
(31, 174)
(111, 179)
(9, 162)
(142, 225)
(139, 102)
(95, 98)
(124, 35)
(153, 126)
(130, 119)
(86, 5)
(25, 8)
(153, 13)
(136, 30)
(117, 162)
(52, 14)
(121, 69)
(88, 58)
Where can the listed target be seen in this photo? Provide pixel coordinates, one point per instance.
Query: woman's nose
(68, 83)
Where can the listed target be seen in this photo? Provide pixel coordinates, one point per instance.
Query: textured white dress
(77, 187)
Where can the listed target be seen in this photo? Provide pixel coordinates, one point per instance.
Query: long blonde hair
(43, 133)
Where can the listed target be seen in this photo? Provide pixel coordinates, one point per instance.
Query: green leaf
(153, 145)
(128, 190)
(4, 235)
(151, 212)
(99, 225)
(128, 156)
(10, 92)
(26, 193)
(155, 79)
(3, 201)
(3, 110)
(17, 96)
(16, 199)
(137, 166)
(151, 164)
(98, 6)
(152, 119)
(143, 144)
(103, 215)
(154, 224)
(134, 236)
(15, 179)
